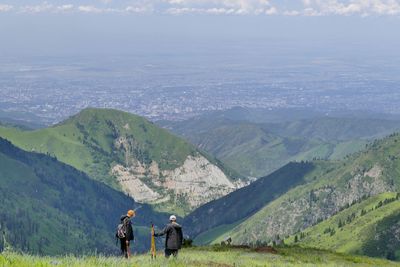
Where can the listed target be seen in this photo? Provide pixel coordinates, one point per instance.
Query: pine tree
(363, 212)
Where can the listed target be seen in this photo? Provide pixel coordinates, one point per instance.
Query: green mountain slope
(370, 228)
(255, 149)
(368, 173)
(76, 140)
(339, 128)
(133, 155)
(246, 201)
(48, 207)
(330, 187)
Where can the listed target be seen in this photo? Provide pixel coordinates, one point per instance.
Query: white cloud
(178, 11)
(356, 7)
(97, 10)
(44, 7)
(218, 7)
(219, 11)
(271, 11)
(311, 12)
(221, 7)
(291, 13)
(64, 8)
(137, 9)
(211, 11)
(311, 7)
(89, 9)
(176, 2)
(5, 8)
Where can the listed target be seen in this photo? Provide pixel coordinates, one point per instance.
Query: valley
(329, 188)
(50, 208)
(256, 142)
(299, 203)
(132, 155)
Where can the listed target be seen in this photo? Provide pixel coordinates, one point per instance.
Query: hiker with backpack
(174, 237)
(125, 233)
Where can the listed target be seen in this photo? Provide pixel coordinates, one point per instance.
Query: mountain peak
(101, 113)
(131, 154)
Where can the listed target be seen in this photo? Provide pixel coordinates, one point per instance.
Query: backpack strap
(125, 221)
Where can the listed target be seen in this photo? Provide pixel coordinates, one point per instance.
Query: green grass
(356, 232)
(87, 141)
(348, 147)
(49, 207)
(257, 149)
(331, 187)
(213, 234)
(208, 257)
(244, 202)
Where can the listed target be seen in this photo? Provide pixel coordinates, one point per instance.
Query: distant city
(53, 89)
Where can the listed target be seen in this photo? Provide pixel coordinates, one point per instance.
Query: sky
(213, 7)
(71, 27)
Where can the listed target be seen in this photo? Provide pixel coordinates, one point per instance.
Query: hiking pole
(153, 243)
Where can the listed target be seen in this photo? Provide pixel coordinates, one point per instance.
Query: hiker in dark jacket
(174, 237)
(125, 242)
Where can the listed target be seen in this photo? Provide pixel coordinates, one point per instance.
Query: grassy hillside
(205, 257)
(371, 172)
(368, 228)
(97, 140)
(86, 141)
(336, 128)
(265, 115)
(246, 201)
(246, 147)
(328, 188)
(257, 149)
(51, 208)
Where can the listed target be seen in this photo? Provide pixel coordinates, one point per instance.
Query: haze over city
(176, 59)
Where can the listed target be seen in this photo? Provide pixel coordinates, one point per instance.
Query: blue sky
(34, 27)
(212, 7)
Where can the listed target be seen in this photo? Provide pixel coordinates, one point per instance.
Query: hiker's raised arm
(163, 232)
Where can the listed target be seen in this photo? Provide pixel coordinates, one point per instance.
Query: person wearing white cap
(174, 237)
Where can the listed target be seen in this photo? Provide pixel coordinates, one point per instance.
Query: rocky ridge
(197, 181)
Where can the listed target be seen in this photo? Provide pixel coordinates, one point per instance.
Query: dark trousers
(124, 247)
(169, 252)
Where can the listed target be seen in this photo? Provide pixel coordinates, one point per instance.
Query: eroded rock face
(132, 185)
(197, 181)
(292, 215)
(192, 184)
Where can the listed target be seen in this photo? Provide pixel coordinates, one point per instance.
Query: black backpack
(121, 229)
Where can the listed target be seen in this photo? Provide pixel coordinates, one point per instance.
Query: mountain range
(368, 227)
(51, 208)
(256, 143)
(326, 189)
(92, 164)
(133, 155)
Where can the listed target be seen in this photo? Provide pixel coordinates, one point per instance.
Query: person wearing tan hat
(125, 233)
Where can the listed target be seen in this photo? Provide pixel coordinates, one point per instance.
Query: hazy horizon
(166, 59)
(179, 27)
